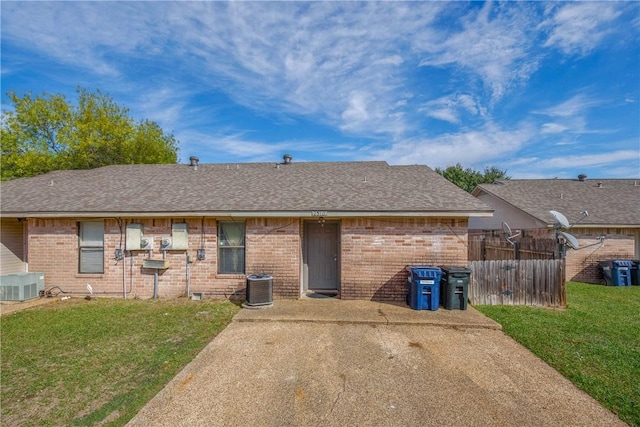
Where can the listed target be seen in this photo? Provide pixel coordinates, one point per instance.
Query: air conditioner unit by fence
(259, 289)
(21, 286)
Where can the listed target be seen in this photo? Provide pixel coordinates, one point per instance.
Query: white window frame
(231, 246)
(91, 248)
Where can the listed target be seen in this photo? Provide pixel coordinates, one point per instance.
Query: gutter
(254, 214)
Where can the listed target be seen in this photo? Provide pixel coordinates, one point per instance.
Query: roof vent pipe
(287, 159)
(193, 162)
(582, 177)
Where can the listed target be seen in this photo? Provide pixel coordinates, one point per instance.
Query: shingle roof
(246, 187)
(608, 201)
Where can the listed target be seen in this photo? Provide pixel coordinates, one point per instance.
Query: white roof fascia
(250, 214)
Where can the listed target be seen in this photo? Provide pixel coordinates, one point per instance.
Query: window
(91, 242)
(231, 247)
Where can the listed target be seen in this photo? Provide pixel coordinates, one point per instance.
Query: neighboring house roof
(244, 189)
(609, 202)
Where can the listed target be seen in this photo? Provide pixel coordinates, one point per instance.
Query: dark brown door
(322, 256)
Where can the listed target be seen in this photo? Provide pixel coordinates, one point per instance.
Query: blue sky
(541, 89)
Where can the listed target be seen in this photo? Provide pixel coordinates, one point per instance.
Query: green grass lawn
(80, 362)
(595, 342)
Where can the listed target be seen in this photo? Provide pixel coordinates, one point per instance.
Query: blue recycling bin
(617, 272)
(424, 287)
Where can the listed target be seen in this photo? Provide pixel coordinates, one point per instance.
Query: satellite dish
(569, 240)
(560, 219)
(508, 234)
(506, 228)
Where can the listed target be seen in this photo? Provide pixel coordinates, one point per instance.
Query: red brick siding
(273, 247)
(582, 265)
(375, 252)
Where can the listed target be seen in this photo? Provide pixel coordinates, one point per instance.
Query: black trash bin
(635, 272)
(454, 287)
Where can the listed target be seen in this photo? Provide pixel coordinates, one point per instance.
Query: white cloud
(354, 66)
(569, 116)
(494, 43)
(357, 110)
(230, 146)
(450, 108)
(470, 148)
(572, 107)
(589, 160)
(613, 163)
(548, 128)
(578, 27)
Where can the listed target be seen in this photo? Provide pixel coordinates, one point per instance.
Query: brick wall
(273, 247)
(375, 253)
(582, 265)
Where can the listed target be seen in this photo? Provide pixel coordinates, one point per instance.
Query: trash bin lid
(424, 271)
(454, 269)
(623, 263)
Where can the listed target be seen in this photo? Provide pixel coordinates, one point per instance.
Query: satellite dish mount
(508, 234)
(566, 240)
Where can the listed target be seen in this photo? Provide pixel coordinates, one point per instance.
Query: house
(348, 228)
(608, 208)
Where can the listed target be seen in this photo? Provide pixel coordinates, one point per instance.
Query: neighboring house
(348, 227)
(613, 207)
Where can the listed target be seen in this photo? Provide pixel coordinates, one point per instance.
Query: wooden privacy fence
(493, 247)
(535, 282)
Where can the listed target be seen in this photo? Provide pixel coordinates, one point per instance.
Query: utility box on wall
(179, 236)
(179, 239)
(133, 237)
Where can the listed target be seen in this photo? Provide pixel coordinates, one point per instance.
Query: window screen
(231, 236)
(91, 242)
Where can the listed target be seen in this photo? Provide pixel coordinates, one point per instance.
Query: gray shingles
(613, 202)
(251, 187)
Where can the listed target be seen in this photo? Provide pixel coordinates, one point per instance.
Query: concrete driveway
(358, 363)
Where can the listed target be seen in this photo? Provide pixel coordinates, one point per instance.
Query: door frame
(305, 254)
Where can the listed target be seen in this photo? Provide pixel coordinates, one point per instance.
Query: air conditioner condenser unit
(259, 290)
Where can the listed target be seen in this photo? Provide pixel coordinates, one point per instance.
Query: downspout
(124, 280)
(188, 275)
(156, 275)
(155, 283)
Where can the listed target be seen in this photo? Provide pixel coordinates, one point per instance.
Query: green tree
(468, 178)
(45, 133)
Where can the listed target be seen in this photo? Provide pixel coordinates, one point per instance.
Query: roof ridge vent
(193, 162)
